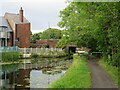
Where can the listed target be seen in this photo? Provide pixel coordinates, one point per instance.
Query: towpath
(100, 79)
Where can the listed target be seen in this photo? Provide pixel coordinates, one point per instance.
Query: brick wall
(23, 35)
(50, 43)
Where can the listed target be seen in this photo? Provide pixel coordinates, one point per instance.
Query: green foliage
(76, 19)
(35, 37)
(34, 56)
(21, 56)
(78, 75)
(62, 43)
(112, 70)
(10, 67)
(49, 55)
(51, 33)
(10, 56)
(94, 25)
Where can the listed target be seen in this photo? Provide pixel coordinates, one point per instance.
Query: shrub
(55, 55)
(21, 56)
(10, 56)
(34, 56)
(110, 69)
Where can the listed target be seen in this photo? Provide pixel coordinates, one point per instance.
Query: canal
(32, 73)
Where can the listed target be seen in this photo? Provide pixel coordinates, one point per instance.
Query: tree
(94, 25)
(78, 22)
(51, 33)
(35, 37)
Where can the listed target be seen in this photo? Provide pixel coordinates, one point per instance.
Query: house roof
(46, 41)
(3, 22)
(42, 41)
(16, 19)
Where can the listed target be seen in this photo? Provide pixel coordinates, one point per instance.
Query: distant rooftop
(3, 22)
(16, 19)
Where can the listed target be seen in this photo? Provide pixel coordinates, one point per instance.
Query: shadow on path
(100, 79)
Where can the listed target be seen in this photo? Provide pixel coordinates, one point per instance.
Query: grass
(10, 62)
(77, 76)
(10, 56)
(10, 67)
(111, 70)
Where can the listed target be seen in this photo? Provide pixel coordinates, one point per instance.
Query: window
(18, 39)
(8, 35)
(3, 29)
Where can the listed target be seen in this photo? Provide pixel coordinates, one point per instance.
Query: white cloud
(38, 12)
(36, 31)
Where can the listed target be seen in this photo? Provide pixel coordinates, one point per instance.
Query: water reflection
(44, 80)
(33, 73)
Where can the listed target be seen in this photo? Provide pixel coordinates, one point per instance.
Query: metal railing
(9, 49)
(31, 50)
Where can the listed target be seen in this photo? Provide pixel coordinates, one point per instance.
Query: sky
(41, 13)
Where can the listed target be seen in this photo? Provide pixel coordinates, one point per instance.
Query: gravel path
(100, 79)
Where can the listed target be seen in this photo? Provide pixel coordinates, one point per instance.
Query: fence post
(16, 48)
(36, 50)
(31, 50)
(24, 50)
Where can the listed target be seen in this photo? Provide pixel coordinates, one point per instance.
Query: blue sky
(39, 12)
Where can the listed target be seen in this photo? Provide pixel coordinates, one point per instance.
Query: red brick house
(14, 30)
(47, 43)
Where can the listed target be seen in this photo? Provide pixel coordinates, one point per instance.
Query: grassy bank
(49, 55)
(78, 75)
(10, 56)
(112, 70)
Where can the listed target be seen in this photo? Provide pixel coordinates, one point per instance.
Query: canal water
(32, 73)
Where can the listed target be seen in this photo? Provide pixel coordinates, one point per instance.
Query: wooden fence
(40, 50)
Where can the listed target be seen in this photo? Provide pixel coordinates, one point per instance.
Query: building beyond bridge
(49, 43)
(14, 30)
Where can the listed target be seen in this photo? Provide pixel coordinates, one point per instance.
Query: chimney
(21, 14)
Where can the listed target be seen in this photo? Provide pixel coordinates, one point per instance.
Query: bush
(49, 55)
(110, 69)
(10, 56)
(57, 55)
(21, 56)
(115, 60)
(34, 55)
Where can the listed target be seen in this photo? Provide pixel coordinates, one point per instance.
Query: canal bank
(77, 76)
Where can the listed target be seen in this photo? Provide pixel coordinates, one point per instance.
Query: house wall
(23, 34)
(21, 31)
(10, 40)
(12, 25)
(50, 43)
